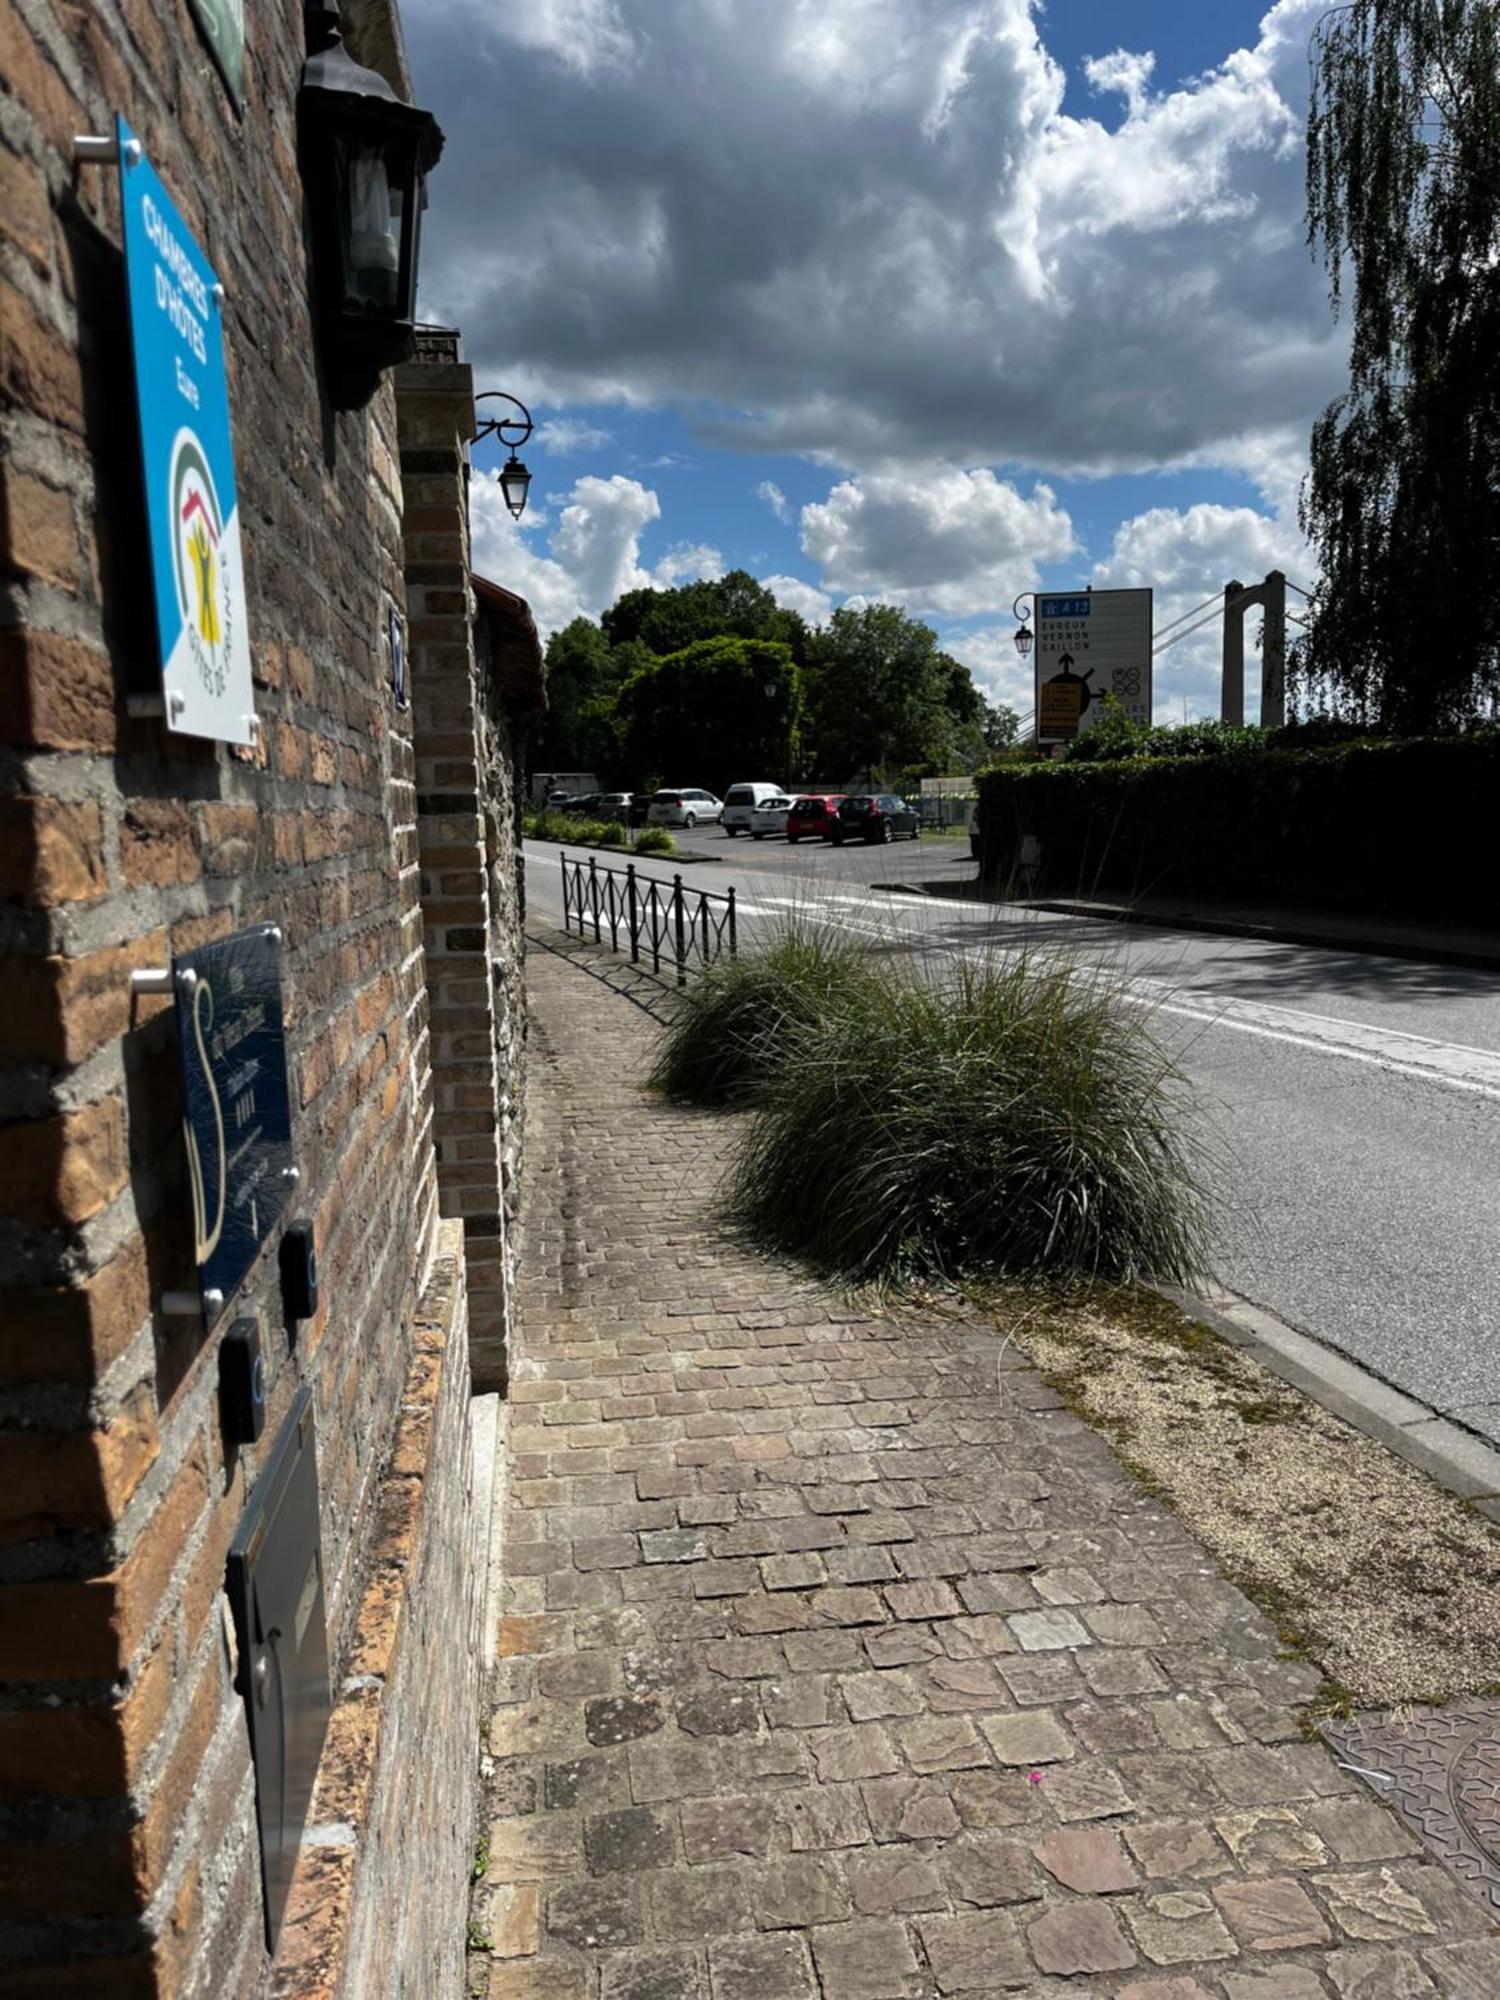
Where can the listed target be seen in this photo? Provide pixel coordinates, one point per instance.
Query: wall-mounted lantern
(364, 157)
(515, 479)
(1023, 634)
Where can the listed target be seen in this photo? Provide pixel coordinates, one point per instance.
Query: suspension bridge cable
(1189, 614)
(1208, 620)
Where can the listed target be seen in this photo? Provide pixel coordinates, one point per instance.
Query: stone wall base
(379, 1901)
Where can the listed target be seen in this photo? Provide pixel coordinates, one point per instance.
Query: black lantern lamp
(515, 479)
(365, 154)
(1023, 633)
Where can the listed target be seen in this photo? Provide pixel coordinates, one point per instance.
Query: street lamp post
(515, 479)
(1023, 634)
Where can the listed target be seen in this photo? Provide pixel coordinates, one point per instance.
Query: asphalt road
(1356, 1098)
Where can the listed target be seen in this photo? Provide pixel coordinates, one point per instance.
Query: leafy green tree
(1001, 726)
(718, 710)
(732, 606)
(883, 696)
(1403, 497)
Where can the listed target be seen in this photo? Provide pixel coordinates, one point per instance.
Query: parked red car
(812, 816)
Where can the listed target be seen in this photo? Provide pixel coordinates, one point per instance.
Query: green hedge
(1407, 828)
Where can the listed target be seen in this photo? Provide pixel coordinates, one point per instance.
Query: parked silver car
(684, 806)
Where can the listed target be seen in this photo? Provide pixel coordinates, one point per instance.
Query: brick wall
(473, 696)
(128, 1860)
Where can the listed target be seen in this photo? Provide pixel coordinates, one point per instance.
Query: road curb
(1366, 943)
(1458, 1459)
(629, 855)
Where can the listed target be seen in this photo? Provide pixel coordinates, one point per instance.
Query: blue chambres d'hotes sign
(188, 461)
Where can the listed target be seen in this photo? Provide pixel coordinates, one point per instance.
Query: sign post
(1090, 644)
(187, 457)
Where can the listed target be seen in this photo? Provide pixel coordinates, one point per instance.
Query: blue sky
(935, 303)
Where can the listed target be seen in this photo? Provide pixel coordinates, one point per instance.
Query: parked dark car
(875, 816)
(585, 806)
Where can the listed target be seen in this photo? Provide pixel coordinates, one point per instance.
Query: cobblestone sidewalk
(839, 1661)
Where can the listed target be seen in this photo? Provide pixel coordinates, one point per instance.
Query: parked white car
(740, 802)
(684, 806)
(770, 816)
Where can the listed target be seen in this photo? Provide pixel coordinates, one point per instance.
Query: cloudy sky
(927, 300)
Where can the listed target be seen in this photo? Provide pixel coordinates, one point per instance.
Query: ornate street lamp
(515, 480)
(364, 156)
(1023, 634)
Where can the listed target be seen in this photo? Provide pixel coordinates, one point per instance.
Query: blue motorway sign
(1063, 607)
(187, 458)
(236, 1109)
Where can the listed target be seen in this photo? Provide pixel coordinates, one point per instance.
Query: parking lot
(932, 857)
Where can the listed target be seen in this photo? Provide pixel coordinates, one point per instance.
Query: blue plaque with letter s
(236, 1108)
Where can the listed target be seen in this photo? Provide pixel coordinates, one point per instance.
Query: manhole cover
(1440, 1769)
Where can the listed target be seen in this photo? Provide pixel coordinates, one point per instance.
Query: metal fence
(660, 922)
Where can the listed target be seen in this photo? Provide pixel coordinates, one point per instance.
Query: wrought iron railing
(659, 921)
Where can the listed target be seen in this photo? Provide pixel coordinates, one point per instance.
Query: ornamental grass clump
(743, 1018)
(1013, 1119)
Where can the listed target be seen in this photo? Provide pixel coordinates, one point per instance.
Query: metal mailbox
(275, 1586)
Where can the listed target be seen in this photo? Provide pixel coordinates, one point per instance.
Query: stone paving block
(1174, 1849)
(725, 1710)
(1286, 1982)
(986, 1869)
(1033, 1736)
(824, 1816)
(1046, 1631)
(623, 1718)
(633, 1838)
(1178, 1927)
(956, 1687)
(1090, 1861)
(682, 1770)
(593, 1915)
(940, 1743)
(542, 1847)
(1271, 1838)
(901, 1646)
(699, 1903)
(861, 1751)
(652, 1974)
(771, 1967)
(884, 1881)
(908, 1808)
(797, 1893)
(537, 1979)
(1271, 1913)
(715, 1828)
(1079, 1936)
(866, 1960)
(874, 1696)
(1372, 1904)
(974, 1953)
(792, 1572)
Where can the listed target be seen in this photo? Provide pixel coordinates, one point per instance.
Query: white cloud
(775, 499)
(869, 230)
(685, 562)
(564, 436)
(1129, 74)
(941, 539)
(796, 595)
(594, 549)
